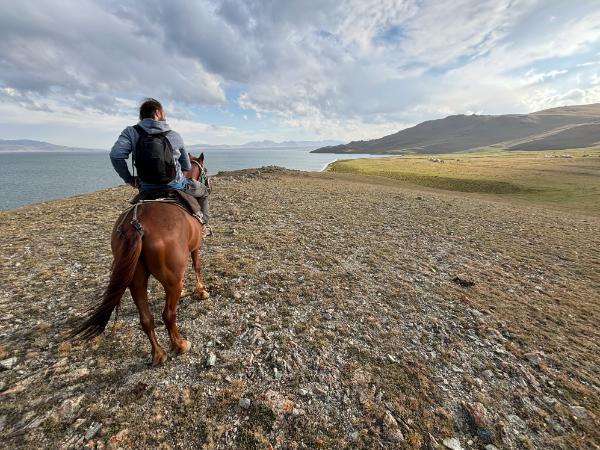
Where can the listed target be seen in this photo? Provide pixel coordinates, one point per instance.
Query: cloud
(87, 54)
(348, 69)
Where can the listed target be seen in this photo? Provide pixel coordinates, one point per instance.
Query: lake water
(27, 178)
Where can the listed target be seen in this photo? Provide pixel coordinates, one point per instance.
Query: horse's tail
(128, 250)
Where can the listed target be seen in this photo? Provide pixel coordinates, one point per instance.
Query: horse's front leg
(200, 289)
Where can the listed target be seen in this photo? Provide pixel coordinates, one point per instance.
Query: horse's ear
(190, 156)
(201, 157)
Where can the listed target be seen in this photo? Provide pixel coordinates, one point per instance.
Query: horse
(170, 236)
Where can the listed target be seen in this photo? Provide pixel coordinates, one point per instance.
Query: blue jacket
(127, 142)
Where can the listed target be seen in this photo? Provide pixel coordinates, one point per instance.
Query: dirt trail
(345, 312)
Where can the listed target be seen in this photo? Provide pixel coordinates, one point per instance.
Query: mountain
(27, 145)
(267, 144)
(551, 129)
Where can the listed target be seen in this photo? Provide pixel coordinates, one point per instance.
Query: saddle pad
(188, 201)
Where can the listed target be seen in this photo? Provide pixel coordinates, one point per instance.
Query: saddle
(186, 201)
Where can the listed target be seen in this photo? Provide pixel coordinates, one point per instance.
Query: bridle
(207, 180)
(200, 166)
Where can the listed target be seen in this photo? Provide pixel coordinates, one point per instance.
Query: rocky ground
(345, 312)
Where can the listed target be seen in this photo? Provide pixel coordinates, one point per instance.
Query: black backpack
(153, 157)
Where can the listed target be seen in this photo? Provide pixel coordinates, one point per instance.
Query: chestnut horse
(170, 236)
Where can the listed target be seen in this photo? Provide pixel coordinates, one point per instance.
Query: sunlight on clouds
(349, 69)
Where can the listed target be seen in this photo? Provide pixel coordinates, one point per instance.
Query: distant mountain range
(27, 145)
(551, 129)
(269, 144)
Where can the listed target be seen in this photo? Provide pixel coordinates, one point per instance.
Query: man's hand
(134, 182)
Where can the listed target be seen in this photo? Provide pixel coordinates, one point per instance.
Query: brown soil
(345, 312)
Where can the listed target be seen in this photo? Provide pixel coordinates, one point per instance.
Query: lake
(27, 178)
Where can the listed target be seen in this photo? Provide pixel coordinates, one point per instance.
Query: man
(152, 122)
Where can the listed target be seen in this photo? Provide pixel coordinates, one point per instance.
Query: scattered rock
(9, 363)
(390, 429)
(211, 360)
(92, 430)
(477, 414)
(69, 407)
(304, 392)
(452, 444)
(244, 403)
(534, 358)
(516, 422)
(463, 281)
(579, 411)
(298, 412)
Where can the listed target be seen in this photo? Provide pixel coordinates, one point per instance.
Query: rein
(202, 170)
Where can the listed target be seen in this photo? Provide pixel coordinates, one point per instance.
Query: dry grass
(567, 183)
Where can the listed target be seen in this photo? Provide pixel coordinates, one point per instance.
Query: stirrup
(200, 217)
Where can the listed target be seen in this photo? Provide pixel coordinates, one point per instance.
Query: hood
(154, 126)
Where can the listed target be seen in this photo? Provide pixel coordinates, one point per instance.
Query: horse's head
(197, 166)
(199, 171)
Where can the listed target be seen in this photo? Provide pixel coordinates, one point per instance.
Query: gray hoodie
(127, 142)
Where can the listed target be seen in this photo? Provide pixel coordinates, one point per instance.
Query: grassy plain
(571, 183)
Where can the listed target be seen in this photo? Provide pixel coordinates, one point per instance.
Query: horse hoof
(183, 347)
(158, 359)
(203, 294)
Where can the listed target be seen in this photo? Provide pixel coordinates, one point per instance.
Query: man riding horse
(156, 236)
(159, 156)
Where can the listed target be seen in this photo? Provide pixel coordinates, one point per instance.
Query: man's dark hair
(148, 107)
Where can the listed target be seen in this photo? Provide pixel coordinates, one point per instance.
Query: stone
(477, 414)
(211, 360)
(391, 430)
(452, 444)
(304, 392)
(534, 358)
(491, 447)
(298, 412)
(9, 363)
(516, 422)
(488, 374)
(486, 434)
(92, 431)
(69, 407)
(244, 403)
(463, 281)
(579, 411)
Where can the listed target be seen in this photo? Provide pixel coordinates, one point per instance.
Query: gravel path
(345, 312)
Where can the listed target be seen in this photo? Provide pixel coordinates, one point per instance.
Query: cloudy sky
(232, 71)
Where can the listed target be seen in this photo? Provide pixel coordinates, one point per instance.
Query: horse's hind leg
(139, 293)
(200, 290)
(173, 291)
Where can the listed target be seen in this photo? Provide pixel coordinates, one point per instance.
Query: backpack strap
(140, 130)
